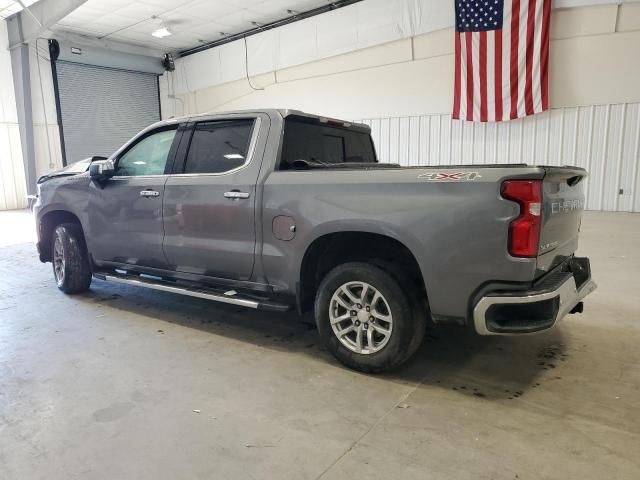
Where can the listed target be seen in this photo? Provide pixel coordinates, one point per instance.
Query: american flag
(501, 59)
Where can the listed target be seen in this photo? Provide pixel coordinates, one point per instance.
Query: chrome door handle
(149, 193)
(234, 194)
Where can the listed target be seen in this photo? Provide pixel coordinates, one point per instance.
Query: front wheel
(71, 267)
(365, 318)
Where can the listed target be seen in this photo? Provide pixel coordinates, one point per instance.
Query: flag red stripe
(515, 20)
(544, 54)
(528, 94)
(498, 75)
(483, 76)
(456, 87)
(469, 76)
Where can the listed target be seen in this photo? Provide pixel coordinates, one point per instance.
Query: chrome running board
(230, 296)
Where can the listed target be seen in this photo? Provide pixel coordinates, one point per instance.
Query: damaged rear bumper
(539, 308)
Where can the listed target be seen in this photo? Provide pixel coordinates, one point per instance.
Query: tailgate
(563, 204)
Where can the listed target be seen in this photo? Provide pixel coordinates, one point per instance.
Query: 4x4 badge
(454, 177)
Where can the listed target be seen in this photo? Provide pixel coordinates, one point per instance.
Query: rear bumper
(536, 309)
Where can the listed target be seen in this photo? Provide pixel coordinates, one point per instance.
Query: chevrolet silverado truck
(278, 209)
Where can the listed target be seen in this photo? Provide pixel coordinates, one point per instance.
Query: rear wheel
(366, 319)
(71, 267)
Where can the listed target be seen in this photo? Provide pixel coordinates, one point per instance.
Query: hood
(76, 168)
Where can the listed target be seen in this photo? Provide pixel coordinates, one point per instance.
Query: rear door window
(219, 147)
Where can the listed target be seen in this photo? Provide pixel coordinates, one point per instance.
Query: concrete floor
(125, 383)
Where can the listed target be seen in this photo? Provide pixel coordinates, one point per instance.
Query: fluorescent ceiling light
(233, 156)
(162, 32)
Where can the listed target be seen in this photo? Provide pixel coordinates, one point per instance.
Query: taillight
(524, 231)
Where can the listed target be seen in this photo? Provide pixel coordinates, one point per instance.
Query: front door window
(147, 157)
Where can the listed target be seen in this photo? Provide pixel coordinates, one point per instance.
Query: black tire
(408, 326)
(72, 271)
(419, 303)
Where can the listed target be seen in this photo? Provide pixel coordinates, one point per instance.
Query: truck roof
(283, 112)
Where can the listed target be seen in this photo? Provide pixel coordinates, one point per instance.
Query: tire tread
(78, 273)
(409, 327)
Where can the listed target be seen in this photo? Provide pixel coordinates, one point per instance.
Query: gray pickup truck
(278, 209)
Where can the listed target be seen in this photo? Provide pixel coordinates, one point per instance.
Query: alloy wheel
(58, 260)
(360, 317)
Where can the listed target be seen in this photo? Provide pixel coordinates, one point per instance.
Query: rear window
(307, 139)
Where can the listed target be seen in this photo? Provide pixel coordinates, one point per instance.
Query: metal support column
(22, 86)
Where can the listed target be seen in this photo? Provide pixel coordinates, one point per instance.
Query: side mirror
(102, 170)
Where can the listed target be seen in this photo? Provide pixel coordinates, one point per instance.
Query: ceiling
(192, 22)
(9, 7)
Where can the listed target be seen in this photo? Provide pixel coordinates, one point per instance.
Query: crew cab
(279, 209)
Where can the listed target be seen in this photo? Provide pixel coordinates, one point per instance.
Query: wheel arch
(331, 249)
(47, 225)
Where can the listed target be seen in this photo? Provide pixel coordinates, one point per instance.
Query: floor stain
(113, 412)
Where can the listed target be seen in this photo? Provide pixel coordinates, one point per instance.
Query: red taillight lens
(524, 231)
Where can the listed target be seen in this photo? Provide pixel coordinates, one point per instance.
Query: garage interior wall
(47, 146)
(13, 191)
(46, 132)
(48, 156)
(404, 88)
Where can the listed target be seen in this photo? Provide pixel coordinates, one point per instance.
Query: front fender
(64, 196)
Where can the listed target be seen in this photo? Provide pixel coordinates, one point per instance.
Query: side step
(230, 296)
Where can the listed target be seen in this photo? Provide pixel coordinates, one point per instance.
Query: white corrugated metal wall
(604, 139)
(13, 191)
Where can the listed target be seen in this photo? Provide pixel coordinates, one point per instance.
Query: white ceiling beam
(25, 26)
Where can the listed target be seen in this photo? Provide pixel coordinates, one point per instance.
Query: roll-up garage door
(101, 108)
